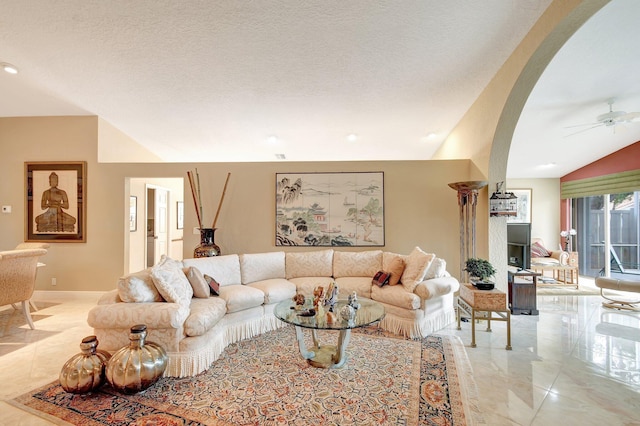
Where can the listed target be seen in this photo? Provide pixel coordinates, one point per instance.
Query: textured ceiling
(212, 81)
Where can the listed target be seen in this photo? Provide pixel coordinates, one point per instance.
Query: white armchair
(18, 277)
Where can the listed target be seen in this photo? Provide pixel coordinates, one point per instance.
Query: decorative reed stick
(199, 192)
(224, 190)
(195, 197)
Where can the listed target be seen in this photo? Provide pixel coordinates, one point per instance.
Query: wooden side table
(472, 301)
(522, 291)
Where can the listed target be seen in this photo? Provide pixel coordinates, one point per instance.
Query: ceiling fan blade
(630, 116)
(583, 130)
(582, 125)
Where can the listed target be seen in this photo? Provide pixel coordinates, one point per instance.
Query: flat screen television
(519, 245)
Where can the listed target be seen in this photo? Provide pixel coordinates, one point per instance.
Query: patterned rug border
(461, 386)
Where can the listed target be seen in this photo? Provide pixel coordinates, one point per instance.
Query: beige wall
(420, 208)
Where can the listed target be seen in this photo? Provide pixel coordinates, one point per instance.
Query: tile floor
(575, 363)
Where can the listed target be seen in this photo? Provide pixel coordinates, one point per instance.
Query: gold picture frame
(56, 201)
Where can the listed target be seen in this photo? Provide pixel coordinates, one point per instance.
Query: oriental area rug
(264, 381)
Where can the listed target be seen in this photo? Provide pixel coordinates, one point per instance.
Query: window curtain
(608, 184)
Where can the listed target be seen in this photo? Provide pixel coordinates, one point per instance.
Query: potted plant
(480, 270)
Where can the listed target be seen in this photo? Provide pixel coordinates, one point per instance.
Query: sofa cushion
(239, 297)
(347, 285)
(224, 269)
(356, 264)
(171, 282)
(275, 290)
(305, 285)
(261, 266)
(138, 287)
(317, 263)
(417, 264)
(205, 313)
(396, 296)
(198, 283)
(388, 261)
(396, 268)
(436, 269)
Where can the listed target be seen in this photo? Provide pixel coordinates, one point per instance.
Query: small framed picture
(56, 201)
(133, 213)
(180, 214)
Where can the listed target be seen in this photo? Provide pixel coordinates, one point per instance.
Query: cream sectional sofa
(173, 300)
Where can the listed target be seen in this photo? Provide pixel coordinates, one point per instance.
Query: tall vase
(135, 367)
(207, 247)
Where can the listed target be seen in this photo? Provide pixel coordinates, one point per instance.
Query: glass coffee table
(327, 356)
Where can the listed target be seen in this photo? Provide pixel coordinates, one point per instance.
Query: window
(618, 233)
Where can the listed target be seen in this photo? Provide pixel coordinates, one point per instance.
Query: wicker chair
(18, 278)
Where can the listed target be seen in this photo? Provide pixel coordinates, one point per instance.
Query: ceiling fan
(611, 118)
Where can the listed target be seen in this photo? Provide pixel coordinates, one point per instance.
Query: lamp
(567, 238)
(503, 203)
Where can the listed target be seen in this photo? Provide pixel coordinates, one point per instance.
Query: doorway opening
(158, 228)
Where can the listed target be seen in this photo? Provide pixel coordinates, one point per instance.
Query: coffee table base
(324, 356)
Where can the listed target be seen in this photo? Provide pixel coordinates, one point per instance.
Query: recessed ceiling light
(9, 68)
(547, 165)
(272, 139)
(431, 135)
(352, 137)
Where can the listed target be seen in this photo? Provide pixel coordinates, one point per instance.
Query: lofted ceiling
(555, 134)
(247, 81)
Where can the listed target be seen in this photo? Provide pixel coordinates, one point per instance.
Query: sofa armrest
(561, 256)
(109, 298)
(435, 287)
(157, 315)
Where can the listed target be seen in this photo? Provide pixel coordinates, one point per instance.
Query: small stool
(620, 285)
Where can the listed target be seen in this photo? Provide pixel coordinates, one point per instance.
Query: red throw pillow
(537, 250)
(381, 278)
(213, 285)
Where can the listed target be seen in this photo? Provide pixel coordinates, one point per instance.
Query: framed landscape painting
(55, 201)
(330, 209)
(524, 206)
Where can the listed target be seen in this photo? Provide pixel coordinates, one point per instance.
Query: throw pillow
(396, 269)
(381, 278)
(171, 282)
(538, 250)
(213, 285)
(417, 264)
(198, 283)
(138, 287)
(436, 269)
